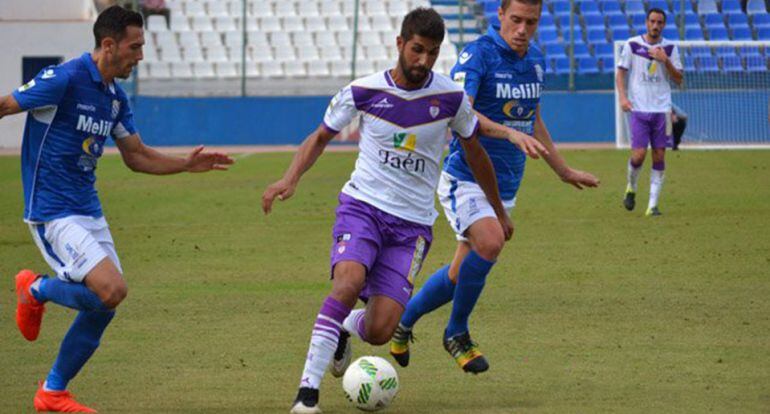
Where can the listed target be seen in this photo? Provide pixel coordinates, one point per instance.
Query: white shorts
(74, 245)
(465, 203)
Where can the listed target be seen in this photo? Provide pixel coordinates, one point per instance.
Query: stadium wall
(570, 117)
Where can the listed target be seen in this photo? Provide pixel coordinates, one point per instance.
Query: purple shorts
(651, 129)
(392, 249)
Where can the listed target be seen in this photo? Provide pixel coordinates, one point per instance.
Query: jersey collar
(91, 66)
(494, 33)
(393, 83)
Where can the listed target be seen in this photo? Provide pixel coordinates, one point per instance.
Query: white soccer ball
(370, 383)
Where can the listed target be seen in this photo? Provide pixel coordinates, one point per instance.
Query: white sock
(633, 176)
(352, 322)
(323, 342)
(656, 185)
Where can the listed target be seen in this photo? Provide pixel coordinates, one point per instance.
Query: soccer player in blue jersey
(73, 109)
(503, 75)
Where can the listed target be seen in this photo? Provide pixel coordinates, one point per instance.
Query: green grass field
(591, 309)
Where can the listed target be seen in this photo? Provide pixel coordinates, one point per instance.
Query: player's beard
(415, 75)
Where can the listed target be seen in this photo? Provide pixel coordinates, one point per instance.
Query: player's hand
(527, 144)
(658, 54)
(281, 189)
(199, 161)
(580, 179)
(625, 104)
(507, 225)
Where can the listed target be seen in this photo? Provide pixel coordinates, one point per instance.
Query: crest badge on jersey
(27, 86)
(539, 71)
(459, 78)
(435, 108)
(115, 109)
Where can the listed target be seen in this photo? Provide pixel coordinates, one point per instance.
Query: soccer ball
(370, 383)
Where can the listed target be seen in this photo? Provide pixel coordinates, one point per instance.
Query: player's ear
(109, 45)
(400, 43)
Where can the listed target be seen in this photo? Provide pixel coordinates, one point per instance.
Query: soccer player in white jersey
(650, 61)
(383, 222)
(73, 109)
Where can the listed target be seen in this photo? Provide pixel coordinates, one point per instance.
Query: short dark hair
(423, 22)
(656, 10)
(505, 3)
(112, 22)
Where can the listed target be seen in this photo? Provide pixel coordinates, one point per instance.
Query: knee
(490, 247)
(378, 335)
(114, 295)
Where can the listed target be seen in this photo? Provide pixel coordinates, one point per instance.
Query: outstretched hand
(281, 189)
(527, 144)
(580, 179)
(199, 161)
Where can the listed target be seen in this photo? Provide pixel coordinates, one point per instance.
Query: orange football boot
(58, 402)
(29, 312)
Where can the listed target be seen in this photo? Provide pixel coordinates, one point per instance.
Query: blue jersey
(506, 88)
(71, 114)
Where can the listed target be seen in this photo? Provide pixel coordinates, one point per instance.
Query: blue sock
(78, 345)
(470, 283)
(437, 291)
(72, 295)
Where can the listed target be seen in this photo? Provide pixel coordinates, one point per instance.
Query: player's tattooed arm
(8, 106)
(141, 158)
(484, 173)
(577, 178)
(306, 156)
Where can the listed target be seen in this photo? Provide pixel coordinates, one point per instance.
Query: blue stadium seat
(588, 8)
(691, 20)
(732, 64)
(560, 8)
(763, 33)
(491, 6)
(756, 64)
(671, 33)
(610, 7)
(707, 64)
(700, 51)
(718, 33)
(747, 51)
(581, 50)
(617, 21)
(659, 4)
(639, 28)
(561, 66)
(596, 35)
(493, 19)
(607, 64)
(756, 7)
(547, 37)
(707, 7)
(638, 19)
(603, 50)
(620, 34)
(546, 20)
(555, 51)
(730, 7)
(742, 33)
(725, 51)
(713, 20)
(635, 7)
(737, 20)
(676, 7)
(760, 20)
(689, 64)
(587, 65)
(693, 34)
(593, 21)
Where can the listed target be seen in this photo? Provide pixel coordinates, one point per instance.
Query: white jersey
(648, 87)
(403, 134)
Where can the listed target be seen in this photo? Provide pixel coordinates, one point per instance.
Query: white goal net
(725, 95)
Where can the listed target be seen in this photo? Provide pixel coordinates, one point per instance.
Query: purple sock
(659, 166)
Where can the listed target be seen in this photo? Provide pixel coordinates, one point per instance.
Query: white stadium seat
(217, 8)
(193, 53)
(233, 39)
(227, 69)
(302, 39)
(295, 69)
(270, 24)
(307, 9)
(293, 24)
(156, 23)
(258, 39)
(272, 69)
(261, 8)
(181, 70)
(262, 55)
(179, 23)
(204, 70)
(325, 39)
(143, 70)
(315, 24)
(338, 23)
(252, 69)
(217, 54)
(375, 52)
(171, 54)
(194, 8)
(318, 69)
(382, 23)
(376, 9)
(330, 8)
(383, 64)
(285, 54)
(280, 39)
(331, 53)
(202, 24)
(285, 8)
(225, 23)
(159, 70)
(211, 39)
(364, 67)
(188, 38)
(307, 53)
(340, 69)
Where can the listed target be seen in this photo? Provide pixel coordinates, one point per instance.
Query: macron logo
(88, 125)
(383, 104)
(48, 74)
(464, 57)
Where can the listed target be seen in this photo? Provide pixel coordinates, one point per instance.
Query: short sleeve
(341, 110)
(46, 89)
(469, 69)
(625, 57)
(465, 122)
(124, 123)
(676, 59)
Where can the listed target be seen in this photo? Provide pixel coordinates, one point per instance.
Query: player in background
(503, 75)
(73, 109)
(650, 61)
(383, 222)
(678, 124)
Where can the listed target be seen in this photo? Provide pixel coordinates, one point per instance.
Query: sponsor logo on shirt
(27, 86)
(87, 108)
(513, 109)
(93, 149)
(521, 91)
(89, 125)
(409, 163)
(404, 141)
(459, 78)
(48, 74)
(383, 104)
